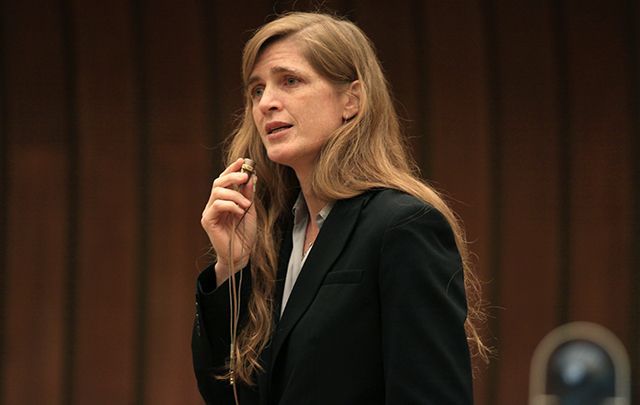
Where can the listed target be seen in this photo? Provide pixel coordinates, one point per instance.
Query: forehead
(283, 55)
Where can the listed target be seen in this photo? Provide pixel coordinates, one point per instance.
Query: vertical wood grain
(228, 32)
(601, 165)
(633, 27)
(390, 27)
(559, 29)
(73, 204)
(526, 114)
(106, 282)
(339, 7)
(143, 195)
(529, 174)
(457, 114)
(4, 195)
(178, 175)
(35, 274)
(36, 204)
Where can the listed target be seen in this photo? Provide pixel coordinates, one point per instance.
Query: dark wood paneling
(529, 176)
(178, 185)
(388, 25)
(228, 33)
(601, 165)
(458, 114)
(36, 233)
(104, 366)
(35, 283)
(35, 275)
(142, 246)
(525, 114)
(457, 124)
(4, 195)
(633, 26)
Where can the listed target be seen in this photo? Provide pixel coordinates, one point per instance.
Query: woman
(345, 275)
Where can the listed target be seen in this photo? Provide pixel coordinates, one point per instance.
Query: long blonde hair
(372, 143)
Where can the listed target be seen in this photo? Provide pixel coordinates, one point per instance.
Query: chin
(279, 157)
(290, 157)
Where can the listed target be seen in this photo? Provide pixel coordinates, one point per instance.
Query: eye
(291, 80)
(256, 92)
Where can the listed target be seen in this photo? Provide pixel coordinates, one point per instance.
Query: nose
(269, 100)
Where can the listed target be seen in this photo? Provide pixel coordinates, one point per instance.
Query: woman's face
(294, 109)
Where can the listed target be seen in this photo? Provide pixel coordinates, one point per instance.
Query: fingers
(232, 176)
(230, 179)
(220, 207)
(233, 167)
(229, 195)
(232, 192)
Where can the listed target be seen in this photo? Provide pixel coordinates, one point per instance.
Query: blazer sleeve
(423, 310)
(210, 338)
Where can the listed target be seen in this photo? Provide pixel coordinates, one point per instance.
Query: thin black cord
(235, 291)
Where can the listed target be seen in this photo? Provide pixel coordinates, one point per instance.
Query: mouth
(276, 127)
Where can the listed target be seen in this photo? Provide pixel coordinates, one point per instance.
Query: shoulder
(397, 208)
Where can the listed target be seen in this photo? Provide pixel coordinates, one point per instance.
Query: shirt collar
(300, 210)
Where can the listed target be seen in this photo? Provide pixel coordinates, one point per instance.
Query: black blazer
(376, 315)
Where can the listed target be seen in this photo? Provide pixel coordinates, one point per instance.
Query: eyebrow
(273, 70)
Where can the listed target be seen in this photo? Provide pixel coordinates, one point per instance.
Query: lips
(274, 127)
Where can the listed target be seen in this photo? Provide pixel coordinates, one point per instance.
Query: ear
(352, 104)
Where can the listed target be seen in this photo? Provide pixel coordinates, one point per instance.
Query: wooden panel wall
(525, 113)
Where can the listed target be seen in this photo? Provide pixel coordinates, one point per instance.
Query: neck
(314, 204)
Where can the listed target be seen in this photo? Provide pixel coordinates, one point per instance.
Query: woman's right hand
(230, 213)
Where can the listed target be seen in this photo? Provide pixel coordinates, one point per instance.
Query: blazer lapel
(333, 236)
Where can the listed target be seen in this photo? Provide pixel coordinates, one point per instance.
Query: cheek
(255, 116)
(257, 123)
(326, 113)
(331, 119)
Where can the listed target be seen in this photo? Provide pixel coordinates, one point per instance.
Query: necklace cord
(235, 288)
(235, 296)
